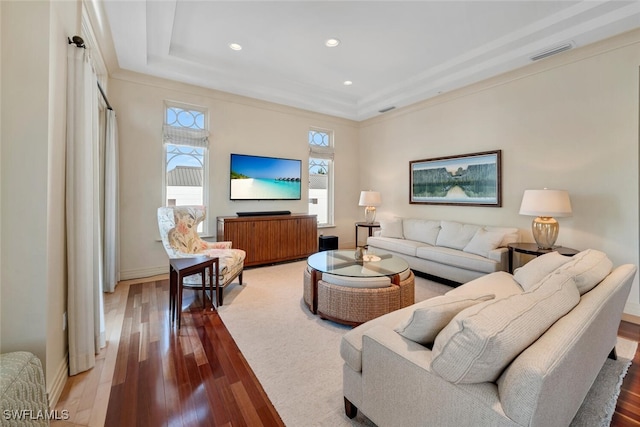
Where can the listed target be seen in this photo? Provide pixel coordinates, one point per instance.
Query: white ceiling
(395, 52)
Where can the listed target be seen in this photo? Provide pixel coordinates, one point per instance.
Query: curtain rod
(104, 96)
(79, 42)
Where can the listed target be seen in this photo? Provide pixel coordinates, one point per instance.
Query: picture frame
(463, 180)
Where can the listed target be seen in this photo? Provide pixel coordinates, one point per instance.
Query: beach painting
(469, 180)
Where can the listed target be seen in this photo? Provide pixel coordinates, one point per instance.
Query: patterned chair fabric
(23, 394)
(178, 228)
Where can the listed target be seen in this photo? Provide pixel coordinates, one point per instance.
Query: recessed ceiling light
(235, 46)
(332, 43)
(348, 83)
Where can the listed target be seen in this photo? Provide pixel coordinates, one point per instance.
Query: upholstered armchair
(178, 228)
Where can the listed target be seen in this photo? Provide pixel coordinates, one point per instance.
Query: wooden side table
(369, 225)
(183, 267)
(533, 249)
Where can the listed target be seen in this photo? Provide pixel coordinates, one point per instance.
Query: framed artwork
(465, 180)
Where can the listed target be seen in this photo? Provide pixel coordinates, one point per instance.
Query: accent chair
(178, 228)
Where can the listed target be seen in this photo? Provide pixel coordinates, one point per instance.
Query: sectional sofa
(501, 350)
(450, 250)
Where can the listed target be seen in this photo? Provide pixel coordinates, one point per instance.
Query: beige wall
(569, 122)
(237, 125)
(33, 81)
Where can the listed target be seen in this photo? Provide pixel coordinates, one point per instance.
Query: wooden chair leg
(220, 295)
(350, 409)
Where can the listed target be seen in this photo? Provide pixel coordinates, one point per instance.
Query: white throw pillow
(588, 268)
(391, 228)
(427, 321)
(481, 341)
(421, 230)
(483, 242)
(455, 235)
(511, 235)
(536, 269)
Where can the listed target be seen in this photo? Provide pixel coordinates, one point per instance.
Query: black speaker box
(327, 243)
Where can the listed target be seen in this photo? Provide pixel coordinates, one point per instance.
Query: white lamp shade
(546, 203)
(370, 198)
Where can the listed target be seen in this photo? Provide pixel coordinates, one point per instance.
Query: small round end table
(533, 249)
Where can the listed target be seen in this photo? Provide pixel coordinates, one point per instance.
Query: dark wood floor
(628, 409)
(197, 376)
(192, 377)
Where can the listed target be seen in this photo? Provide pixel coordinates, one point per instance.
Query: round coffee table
(340, 288)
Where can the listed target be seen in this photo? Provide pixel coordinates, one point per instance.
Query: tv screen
(265, 178)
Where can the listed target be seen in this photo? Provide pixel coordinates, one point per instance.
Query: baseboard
(631, 318)
(632, 308)
(144, 272)
(137, 280)
(59, 381)
(631, 313)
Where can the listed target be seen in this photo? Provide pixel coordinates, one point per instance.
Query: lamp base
(370, 214)
(545, 231)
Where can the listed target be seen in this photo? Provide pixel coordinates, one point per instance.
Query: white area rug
(296, 355)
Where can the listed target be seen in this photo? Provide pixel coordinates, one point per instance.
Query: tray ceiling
(395, 53)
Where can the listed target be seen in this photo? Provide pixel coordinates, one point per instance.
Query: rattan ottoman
(352, 305)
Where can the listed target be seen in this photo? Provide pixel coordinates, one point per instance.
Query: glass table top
(343, 263)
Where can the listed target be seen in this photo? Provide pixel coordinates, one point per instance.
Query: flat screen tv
(265, 178)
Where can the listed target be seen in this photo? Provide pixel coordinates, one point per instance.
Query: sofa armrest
(396, 375)
(501, 255)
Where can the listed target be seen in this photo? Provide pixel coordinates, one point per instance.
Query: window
(186, 139)
(321, 175)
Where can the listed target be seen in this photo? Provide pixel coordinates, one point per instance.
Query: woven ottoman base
(356, 305)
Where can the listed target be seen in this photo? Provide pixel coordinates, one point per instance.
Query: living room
(570, 122)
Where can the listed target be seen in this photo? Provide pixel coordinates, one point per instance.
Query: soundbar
(263, 213)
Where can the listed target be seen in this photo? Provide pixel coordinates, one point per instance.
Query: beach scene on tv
(260, 178)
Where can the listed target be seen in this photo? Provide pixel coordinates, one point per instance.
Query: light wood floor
(101, 396)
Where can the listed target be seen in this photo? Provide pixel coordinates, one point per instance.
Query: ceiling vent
(384, 110)
(553, 51)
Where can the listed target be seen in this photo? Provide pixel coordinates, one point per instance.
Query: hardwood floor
(151, 374)
(628, 408)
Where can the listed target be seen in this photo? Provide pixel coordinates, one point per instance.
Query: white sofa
(447, 249)
(511, 360)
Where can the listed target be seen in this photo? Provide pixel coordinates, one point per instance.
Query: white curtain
(84, 250)
(111, 225)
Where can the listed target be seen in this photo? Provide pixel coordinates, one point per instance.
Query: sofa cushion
(357, 282)
(426, 322)
(483, 242)
(455, 235)
(402, 246)
(588, 268)
(500, 283)
(391, 228)
(456, 258)
(536, 269)
(511, 235)
(483, 339)
(421, 230)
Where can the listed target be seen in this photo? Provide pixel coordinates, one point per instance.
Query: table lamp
(544, 205)
(370, 199)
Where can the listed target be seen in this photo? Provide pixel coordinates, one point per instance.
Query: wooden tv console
(269, 239)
